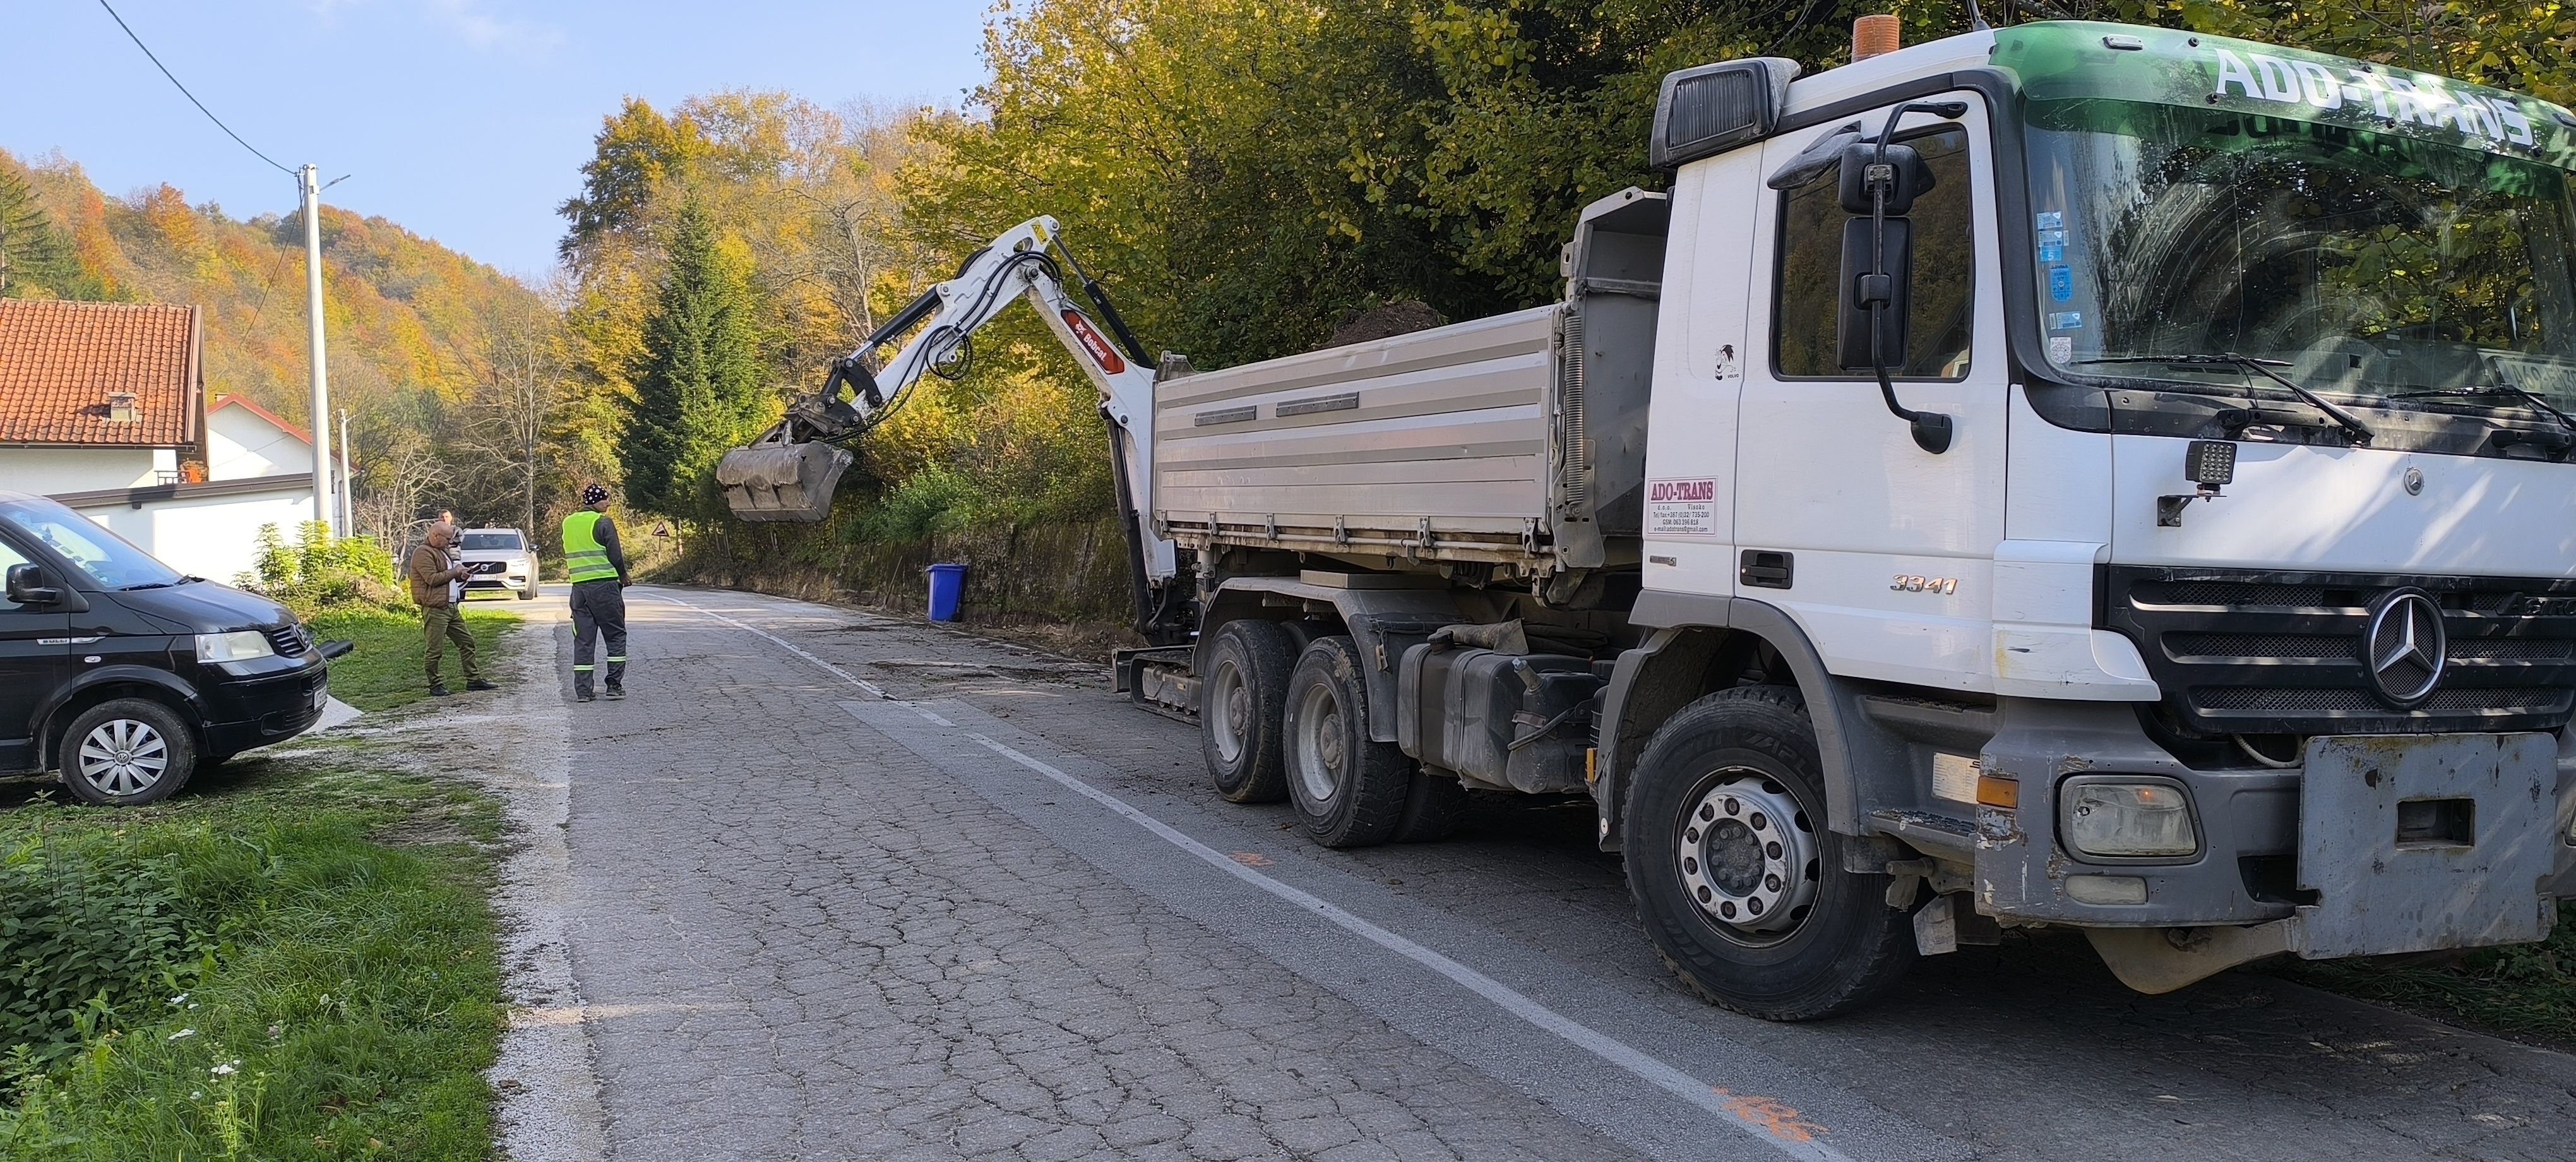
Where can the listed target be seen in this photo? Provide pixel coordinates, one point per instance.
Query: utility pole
(310, 178)
(348, 511)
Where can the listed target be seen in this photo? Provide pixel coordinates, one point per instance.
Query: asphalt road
(839, 886)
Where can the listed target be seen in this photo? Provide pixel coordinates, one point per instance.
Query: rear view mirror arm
(1932, 430)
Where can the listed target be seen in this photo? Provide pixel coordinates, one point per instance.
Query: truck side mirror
(27, 586)
(1882, 179)
(1888, 282)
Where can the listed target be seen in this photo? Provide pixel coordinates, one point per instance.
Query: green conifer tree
(698, 377)
(36, 259)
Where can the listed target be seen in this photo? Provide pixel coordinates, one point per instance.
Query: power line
(183, 89)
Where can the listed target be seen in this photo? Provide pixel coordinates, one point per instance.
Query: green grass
(2527, 991)
(383, 672)
(327, 985)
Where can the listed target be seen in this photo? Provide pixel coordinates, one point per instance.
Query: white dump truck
(2074, 474)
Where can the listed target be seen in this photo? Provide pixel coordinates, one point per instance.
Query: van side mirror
(27, 586)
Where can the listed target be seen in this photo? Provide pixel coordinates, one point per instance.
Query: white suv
(501, 559)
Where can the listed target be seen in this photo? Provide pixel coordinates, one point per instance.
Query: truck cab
(2238, 602)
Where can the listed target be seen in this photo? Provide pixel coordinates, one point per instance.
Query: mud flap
(781, 481)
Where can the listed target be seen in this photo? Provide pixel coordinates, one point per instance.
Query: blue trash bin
(947, 591)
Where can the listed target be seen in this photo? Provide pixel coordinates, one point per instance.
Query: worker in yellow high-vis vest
(596, 565)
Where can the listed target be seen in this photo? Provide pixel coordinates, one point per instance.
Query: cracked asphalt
(837, 886)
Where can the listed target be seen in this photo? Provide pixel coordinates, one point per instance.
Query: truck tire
(126, 753)
(1348, 791)
(1239, 710)
(1737, 878)
(1432, 805)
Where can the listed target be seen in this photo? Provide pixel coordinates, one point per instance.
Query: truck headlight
(2127, 818)
(238, 646)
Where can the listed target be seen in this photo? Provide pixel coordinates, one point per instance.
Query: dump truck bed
(1431, 445)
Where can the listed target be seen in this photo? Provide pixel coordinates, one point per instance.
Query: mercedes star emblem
(2404, 647)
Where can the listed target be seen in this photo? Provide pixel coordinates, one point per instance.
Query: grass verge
(293, 959)
(2524, 992)
(384, 671)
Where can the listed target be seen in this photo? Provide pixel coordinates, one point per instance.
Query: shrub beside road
(294, 958)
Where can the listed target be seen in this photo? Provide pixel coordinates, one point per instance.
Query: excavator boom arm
(789, 472)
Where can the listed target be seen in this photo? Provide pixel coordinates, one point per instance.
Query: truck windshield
(2369, 264)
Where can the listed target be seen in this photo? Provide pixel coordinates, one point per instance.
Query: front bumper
(253, 712)
(2319, 844)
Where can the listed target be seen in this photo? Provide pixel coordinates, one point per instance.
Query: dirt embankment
(1062, 588)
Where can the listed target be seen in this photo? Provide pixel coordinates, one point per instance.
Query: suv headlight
(238, 646)
(2127, 818)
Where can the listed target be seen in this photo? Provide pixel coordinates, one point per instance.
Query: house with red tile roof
(103, 406)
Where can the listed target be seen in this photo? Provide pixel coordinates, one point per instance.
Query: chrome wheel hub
(122, 756)
(1319, 750)
(1749, 855)
(1230, 711)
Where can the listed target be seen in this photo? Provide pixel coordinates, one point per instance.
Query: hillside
(403, 311)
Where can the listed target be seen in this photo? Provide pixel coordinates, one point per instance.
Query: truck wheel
(1737, 878)
(1239, 707)
(1432, 805)
(1348, 790)
(126, 753)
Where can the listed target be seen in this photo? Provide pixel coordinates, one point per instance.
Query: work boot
(438, 689)
(478, 685)
(616, 692)
(584, 696)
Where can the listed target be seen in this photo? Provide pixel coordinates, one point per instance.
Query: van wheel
(1349, 791)
(126, 753)
(1239, 703)
(1432, 805)
(1737, 878)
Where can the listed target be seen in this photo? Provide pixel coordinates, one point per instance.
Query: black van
(129, 676)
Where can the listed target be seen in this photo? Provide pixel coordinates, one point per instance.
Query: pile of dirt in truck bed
(1384, 322)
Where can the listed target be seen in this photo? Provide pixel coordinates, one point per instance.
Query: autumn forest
(1242, 175)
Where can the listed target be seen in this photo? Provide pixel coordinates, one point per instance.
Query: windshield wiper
(145, 585)
(2557, 442)
(2357, 431)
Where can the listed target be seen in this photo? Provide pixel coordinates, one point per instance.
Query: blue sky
(463, 120)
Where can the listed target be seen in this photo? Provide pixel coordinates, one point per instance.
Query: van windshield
(108, 560)
(2382, 266)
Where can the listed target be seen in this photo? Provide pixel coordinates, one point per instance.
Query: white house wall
(44, 471)
(240, 444)
(215, 537)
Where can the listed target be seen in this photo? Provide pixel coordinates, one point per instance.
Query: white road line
(1760, 1119)
(1763, 1120)
(783, 644)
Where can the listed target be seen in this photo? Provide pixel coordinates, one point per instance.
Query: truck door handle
(1767, 569)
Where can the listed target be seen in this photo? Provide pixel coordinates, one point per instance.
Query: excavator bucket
(781, 481)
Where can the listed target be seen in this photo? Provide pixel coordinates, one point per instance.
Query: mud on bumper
(2373, 844)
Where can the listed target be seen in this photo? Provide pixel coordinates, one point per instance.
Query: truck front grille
(2251, 653)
